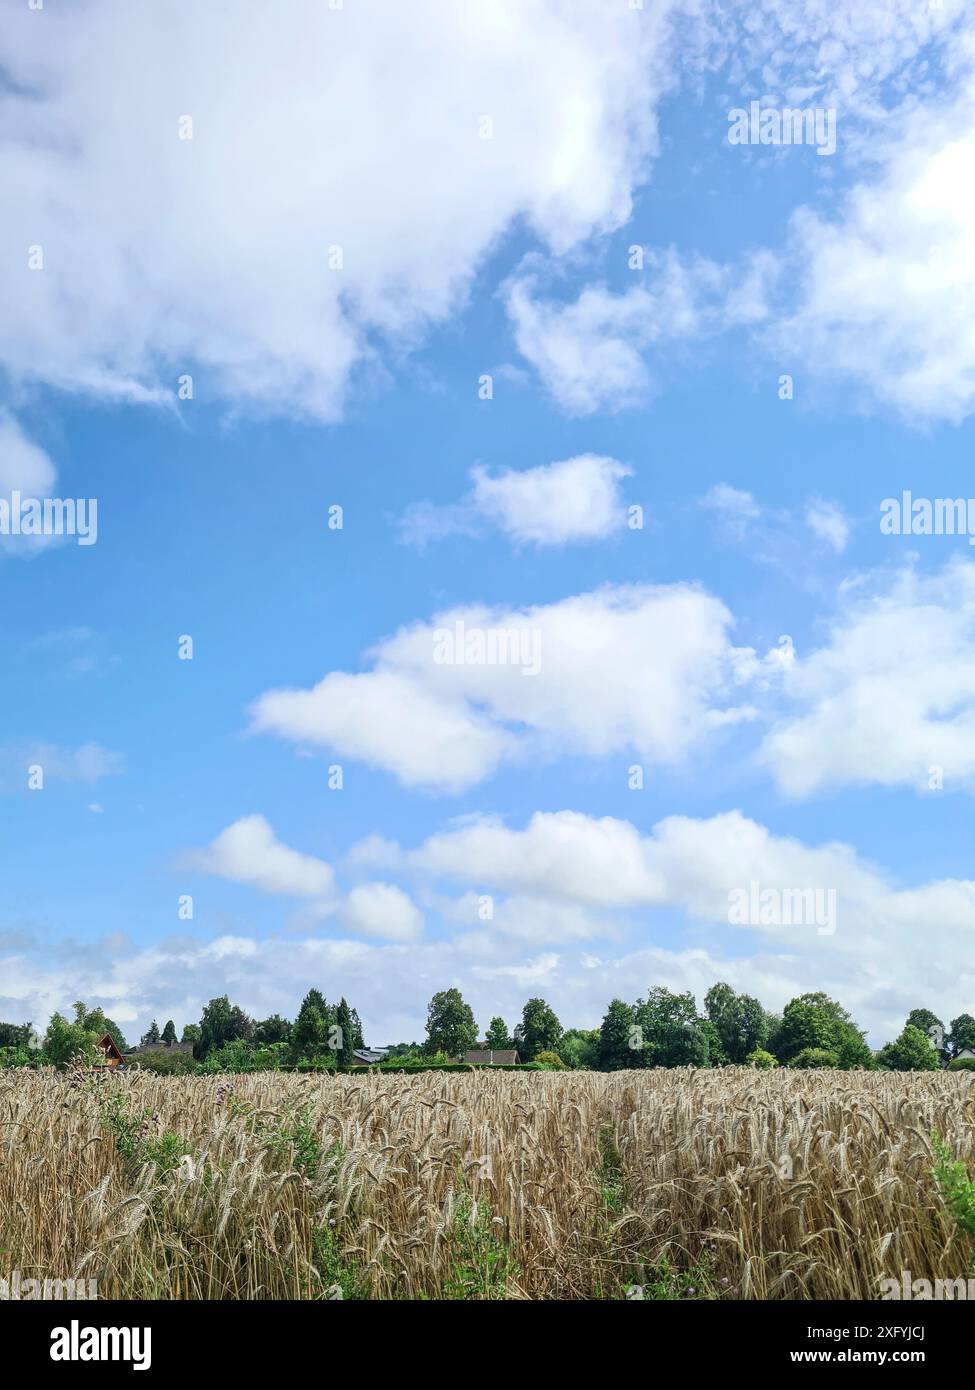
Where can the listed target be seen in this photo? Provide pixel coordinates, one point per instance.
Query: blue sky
(796, 686)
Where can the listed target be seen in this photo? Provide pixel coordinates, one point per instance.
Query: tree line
(664, 1029)
(226, 1038)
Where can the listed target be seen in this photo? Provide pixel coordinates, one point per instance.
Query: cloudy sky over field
(371, 326)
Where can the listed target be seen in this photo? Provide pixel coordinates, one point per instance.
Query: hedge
(361, 1067)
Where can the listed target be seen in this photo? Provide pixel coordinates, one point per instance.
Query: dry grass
(537, 1186)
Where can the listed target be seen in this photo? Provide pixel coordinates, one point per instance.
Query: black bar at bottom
(72, 1337)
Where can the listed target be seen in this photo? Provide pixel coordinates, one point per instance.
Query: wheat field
(683, 1184)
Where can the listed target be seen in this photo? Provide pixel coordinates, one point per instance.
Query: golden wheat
(545, 1185)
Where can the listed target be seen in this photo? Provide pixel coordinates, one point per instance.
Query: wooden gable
(113, 1053)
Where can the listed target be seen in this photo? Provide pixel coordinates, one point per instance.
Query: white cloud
(87, 764)
(590, 353)
(552, 880)
(606, 863)
(165, 255)
(576, 499)
(531, 918)
(736, 507)
(861, 58)
(249, 852)
(774, 536)
(600, 873)
(23, 465)
(382, 909)
(599, 863)
(828, 522)
(641, 669)
(391, 720)
(887, 288)
(891, 695)
(25, 468)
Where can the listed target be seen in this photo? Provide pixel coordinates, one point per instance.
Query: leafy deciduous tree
(450, 1024)
(616, 1052)
(742, 1025)
(672, 1032)
(912, 1051)
(579, 1048)
(962, 1034)
(816, 1021)
(221, 1023)
(271, 1030)
(540, 1030)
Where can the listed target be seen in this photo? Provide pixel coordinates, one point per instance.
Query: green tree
(271, 1030)
(191, 1033)
(761, 1059)
(671, 1029)
(912, 1051)
(580, 1048)
(19, 1057)
(962, 1034)
(309, 1032)
(221, 1023)
(15, 1034)
(497, 1038)
(169, 1033)
(925, 1020)
(539, 1031)
(64, 1041)
(616, 1037)
(742, 1025)
(816, 1021)
(450, 1024)
(717, 1057)
(346, 1049)
(853, 1052)
(933, 1029)
(97, 1022)
(152, 1037)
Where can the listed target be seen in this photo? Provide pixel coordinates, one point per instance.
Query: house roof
(485, 1057)
(162, 1047)
(108, 1045)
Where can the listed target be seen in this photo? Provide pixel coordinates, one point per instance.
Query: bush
(326, 1062)
(240, 1056)
(762, 1059)
(957, 1188)
(410, 1070)
(19, 1057)
(550, 1059)
(962, 1064)
(423, 1066)
(164, 1062)
(811, 1057)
